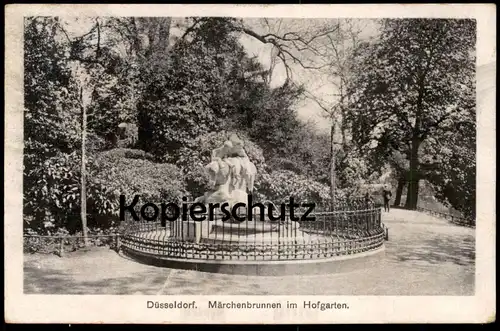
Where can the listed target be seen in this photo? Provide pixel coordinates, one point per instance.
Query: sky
(315, 82)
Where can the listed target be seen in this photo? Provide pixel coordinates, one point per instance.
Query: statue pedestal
(251, 233)
(190, 231)
(220, 231)
(245, 228)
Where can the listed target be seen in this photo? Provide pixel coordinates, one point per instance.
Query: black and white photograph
(172, 157)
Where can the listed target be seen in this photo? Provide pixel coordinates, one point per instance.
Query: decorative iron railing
(59, 245)
(331, 234)
(453, 219)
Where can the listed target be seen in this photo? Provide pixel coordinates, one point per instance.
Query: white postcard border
(131, 309)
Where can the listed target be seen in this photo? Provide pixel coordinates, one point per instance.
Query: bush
(280, 185)
(54, 201)
(53, 198)
(132, 175)
(127, 153)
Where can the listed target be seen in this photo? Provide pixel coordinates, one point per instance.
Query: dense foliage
(158, 104)
(416, 85)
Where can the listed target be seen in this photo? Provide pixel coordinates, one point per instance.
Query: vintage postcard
(250, 164)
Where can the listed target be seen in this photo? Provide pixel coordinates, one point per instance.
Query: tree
(209, 82)
(51, 114)
(189, 96)
(294, 44)
(60, 79)
(452, 169)
(342, 52)
(49, 92)
(87, 70)
(416, 84)
(85, 98)
(400, 165)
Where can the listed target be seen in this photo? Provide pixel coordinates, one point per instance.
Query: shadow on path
(438, 250)
(50, 281)
(101, 271)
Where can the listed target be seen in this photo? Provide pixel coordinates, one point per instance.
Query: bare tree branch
(191, 28)
(284, 52)
(98, 49)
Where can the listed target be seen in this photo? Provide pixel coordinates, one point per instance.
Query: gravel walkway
(424, 256)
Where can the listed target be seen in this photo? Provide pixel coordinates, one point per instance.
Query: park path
(425, 255)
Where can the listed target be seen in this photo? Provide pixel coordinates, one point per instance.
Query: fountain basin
(329, 246)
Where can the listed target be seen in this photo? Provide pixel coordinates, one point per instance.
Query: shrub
(54, 201)
(53, 198)
(131, 175)
(280, 185)
(121, 153)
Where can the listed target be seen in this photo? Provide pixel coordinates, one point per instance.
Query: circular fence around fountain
(334, 235)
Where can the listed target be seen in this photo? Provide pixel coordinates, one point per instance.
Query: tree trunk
(332, 167)
(145, 129)
(83, 174)
(157, 30)
(343, 111)
(413, 177)
(412, 196)
(399, 191)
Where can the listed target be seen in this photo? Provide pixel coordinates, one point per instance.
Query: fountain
(254, 245)
(231, 179)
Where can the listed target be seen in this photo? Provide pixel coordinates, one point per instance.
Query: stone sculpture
(231, 178)
(231, 174)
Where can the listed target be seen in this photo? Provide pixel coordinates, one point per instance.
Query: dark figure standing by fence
(387, 197)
